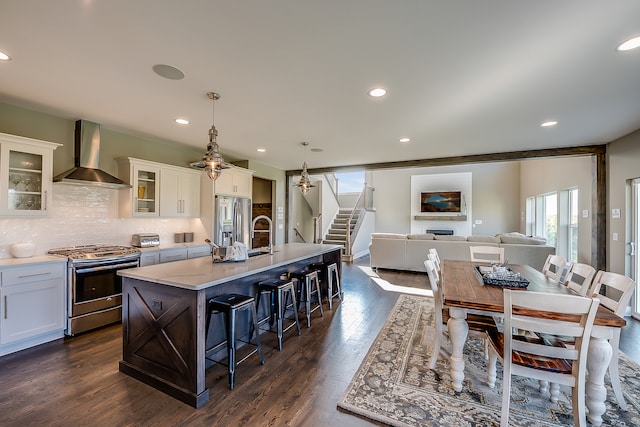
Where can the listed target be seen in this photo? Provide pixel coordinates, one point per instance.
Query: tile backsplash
(83, 215)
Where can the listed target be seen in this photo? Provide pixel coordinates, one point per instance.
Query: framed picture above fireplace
(441, 201)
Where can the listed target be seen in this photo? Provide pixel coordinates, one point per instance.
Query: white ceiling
(463, 76)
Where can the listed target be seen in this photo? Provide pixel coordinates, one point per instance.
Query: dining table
(465, 290)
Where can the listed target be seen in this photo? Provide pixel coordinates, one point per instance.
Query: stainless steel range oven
(94, 287)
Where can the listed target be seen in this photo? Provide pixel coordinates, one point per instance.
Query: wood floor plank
(76, 381)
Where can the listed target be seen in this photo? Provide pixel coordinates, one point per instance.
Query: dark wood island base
(164, 313)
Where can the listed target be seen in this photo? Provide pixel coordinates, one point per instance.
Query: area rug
(395, 386)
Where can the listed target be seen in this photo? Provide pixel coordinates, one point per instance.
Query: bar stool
(230, 305)
(330, 274)
(279, 291)
(304, 278)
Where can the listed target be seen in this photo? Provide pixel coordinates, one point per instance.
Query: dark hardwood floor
(76, 381)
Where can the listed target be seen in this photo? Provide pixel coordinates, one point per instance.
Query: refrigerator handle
(236, 220)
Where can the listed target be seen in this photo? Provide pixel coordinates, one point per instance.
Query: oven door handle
(107, 267)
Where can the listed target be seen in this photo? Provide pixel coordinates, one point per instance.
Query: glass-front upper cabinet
(145, 188)
(142, 198)
(26, 169)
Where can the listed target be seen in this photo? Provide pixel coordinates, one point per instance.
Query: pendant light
(305, 183)
(212, 162)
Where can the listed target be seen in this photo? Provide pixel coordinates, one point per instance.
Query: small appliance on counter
(145, 240)
(22, 250)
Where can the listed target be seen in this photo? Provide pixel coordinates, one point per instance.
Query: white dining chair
(478, 324)
(554, 266)
(618, 289)
(486, 254)
(434, 259)
(434, 252)
(579, 277)
(540, 359)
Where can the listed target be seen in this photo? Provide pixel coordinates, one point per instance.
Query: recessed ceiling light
(168, 72)
(632, 43)
(4, 56)
(405, 140)
(261, 150)
(377, 92)
(548, 124)
(316, 150)
(182, 121)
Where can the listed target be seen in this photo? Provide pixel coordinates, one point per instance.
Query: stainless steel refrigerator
(232, 221)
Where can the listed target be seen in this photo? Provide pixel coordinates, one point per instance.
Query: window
(530, 216)
(555, 217)
(350, 182)
(546, 217)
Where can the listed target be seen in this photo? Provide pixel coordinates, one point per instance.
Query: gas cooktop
(95, 251)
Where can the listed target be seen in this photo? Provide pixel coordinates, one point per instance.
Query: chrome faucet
(253, 229)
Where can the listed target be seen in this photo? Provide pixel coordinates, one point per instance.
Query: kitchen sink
(258, 251)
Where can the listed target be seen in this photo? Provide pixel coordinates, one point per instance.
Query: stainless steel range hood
(87, 159)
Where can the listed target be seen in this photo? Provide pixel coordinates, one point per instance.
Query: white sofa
(408, 251)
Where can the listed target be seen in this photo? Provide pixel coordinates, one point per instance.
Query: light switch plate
(585, 213)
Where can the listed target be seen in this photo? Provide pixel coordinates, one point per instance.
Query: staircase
(337, 231)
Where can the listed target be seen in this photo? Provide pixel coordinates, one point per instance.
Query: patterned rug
(395, 386)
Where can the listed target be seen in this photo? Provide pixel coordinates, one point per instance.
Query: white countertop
(201, 273)
(12, 262)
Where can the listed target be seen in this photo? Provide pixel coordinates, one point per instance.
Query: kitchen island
(164, 311)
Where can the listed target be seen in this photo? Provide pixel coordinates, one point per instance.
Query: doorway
(262, 204)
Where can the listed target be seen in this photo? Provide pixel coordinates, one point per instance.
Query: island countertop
(201, 273)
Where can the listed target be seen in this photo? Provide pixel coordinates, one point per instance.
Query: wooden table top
(463, 287)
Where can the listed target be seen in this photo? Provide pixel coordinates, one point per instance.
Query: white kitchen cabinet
(158, 190)
(234, 181)
(175, 254)
(198, 251)
(142, 200)
(33, 303)
(26, 174)
(179, 192)
(157, 256)
(149, 258)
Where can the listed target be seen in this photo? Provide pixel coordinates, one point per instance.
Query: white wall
(495, 196)
(329, 207)
(459, 181)
(623, 164)
(88, 215)
(300, 216)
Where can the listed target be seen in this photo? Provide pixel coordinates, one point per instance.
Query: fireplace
(441, 232)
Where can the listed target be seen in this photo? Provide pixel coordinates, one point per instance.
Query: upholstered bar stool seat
(308, 285)
(279, 292)
(230, 305)
(329, 273)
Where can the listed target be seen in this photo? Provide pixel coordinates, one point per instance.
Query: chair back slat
(434, 251)
(554, 266)
(614, 290)
(486, 254)
(579, 278)
(434, 282)
(434, 259)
